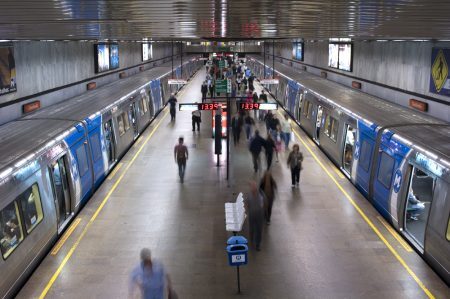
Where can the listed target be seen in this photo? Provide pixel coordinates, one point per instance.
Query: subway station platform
(325, 239)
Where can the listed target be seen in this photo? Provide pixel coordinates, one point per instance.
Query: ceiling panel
(166, 19)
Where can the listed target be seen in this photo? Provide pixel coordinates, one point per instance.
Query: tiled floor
(317, 246)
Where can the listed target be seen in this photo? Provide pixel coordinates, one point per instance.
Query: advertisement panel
(333, 55)
(7, 70)
(114, 56)
(145, 56)
(102, 57)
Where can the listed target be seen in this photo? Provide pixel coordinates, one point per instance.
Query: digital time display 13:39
(249, 106)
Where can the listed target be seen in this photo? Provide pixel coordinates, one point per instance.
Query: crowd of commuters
(149, 279)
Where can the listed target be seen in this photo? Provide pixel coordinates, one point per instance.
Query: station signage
(177, 82)
(269, 81)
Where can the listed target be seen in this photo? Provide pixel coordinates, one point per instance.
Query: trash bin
(237, 251)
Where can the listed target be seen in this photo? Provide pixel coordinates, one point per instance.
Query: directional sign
(222, 86)
(269, 81)
(177, 82)
(221, 64)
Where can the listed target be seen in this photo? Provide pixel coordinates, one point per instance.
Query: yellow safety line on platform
(395, 234)
(116, 169)
(368, 221)
(66, 236)
(138, 141)
(338, 172)
(105, 200)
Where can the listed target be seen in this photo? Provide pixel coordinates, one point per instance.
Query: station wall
(54, 71)
(393, 70)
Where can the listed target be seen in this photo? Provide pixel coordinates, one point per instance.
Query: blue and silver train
(53, 160)
(397, 157)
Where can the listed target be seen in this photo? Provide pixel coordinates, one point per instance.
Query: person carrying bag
(294, 161)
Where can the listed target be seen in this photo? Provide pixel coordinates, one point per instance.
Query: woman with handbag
(294, 161)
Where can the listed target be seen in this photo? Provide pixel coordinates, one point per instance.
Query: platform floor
(317, 246)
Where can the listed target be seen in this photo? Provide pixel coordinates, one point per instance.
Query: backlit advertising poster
(114, 56)
(345, 57)
(7, 70)
(297, 51)
(145, 56)
(102, 57)
(333, 55)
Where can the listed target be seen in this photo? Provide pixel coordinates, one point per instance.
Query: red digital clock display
(208, 106)
(250, 106)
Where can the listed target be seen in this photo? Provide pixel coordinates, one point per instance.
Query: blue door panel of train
(363, 153)
(80, 152)
(156, 94)
(73, 140)
(292, 95)
(98, 148)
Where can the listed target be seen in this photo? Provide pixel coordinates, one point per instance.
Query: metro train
(398, 158)
(53, 160)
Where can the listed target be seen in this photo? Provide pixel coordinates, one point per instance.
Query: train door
(109, 142)
(349, 146)
(298, 103)
(418, 203)
(58, 173)
(133, 118)
(318, 123)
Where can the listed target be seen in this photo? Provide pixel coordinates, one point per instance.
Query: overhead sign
(223, 86)
(269, 81)
(177, 82)
(439, 81)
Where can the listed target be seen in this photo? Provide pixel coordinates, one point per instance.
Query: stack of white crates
(235, 214)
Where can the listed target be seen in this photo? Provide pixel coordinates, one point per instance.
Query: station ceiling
(231, 19)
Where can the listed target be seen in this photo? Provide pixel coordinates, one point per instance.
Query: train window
(305, 110)
(11, 231)
(96, 148)
(121, 125)
(83, 166)
(418, 203)
(448, 230)
(126, 121)
(30, 203)
(331, 127)
(366, 154)
(385, 170)
(334, 129)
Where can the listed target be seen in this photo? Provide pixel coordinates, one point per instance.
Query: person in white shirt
(196, 119)
(286, 129)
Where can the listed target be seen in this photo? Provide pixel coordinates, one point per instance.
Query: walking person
(294, 162)
(268, 186)
(204, 90)
(256, 145)
(255, 208)
(149, 279)
(278, 141)
(211, 88)
(269, 148)
(248, 123)
(196, 119)
(286, 129)
(181, 155)
(236, 127)
(173, 104)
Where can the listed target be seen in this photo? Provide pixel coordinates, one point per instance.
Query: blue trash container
(237, 251)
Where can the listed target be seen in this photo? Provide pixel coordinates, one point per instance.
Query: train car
(54, 159)
(41, 187)
(398, 158)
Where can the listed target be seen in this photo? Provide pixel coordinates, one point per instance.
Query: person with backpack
(256, 145)
(181, 155)
(294, 162)
(173, 104)
(196, 119)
